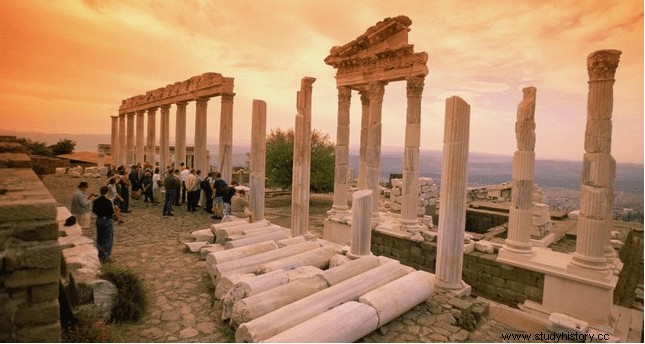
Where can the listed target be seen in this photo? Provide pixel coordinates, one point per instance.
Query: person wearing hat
(82, 205)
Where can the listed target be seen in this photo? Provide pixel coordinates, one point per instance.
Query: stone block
(43, 293)
(203, 235)
(36, 230)
(484, 246)
(196, 246)
(41, 256)
(37, 314)
(50, 333)
(32, 277)
(559, 322)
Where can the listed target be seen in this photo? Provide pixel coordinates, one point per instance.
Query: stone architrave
(410, 196)
(520, 213)
(200, 135)
(140, 139)
(151, 141)
(452, 213)
(365, 121)
(373, 149)
(122, 150)
(595, 221)
(225, 153)
(361, 224)
(164, 138)
(180, 134)
(129, 157)
(114, 141)
(302, 160)
(342, 151)
(258, 158)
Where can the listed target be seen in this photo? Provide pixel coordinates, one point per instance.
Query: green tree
(35, 147)
(65, 146)
(279, 160)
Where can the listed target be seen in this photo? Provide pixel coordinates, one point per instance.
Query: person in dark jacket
(170, 183)
(228, 195)
(104, 210)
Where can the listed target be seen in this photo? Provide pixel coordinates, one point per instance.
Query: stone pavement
(181, 305)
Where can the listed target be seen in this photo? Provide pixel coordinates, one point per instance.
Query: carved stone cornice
(414, 87)
(205, 85)
(344, 94)
(602, 64)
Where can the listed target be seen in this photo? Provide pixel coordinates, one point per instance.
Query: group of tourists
(184, 185)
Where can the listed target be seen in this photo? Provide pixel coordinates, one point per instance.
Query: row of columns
(124, 136)
(369, 170)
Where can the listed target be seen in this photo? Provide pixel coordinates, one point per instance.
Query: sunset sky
(66, 65)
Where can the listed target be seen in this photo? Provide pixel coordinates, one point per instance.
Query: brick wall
(29, 254)
(486, 276)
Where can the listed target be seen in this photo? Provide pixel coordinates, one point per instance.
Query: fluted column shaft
(164, 138)
(302, 160)
(200, 133)
(129, 157)
(373, 148)
(122, 152)
(139, 150)
(410, 190)
(342, 150)
(180, 134)
(595, 221)
(225, 150)
(258, 158)
(114, 140)
(452, 212)
(151, 137)
(361, 224)
(520, 214)
(362, 156)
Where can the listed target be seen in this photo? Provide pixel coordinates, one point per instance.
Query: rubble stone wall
(481, 271)
(29, 254)
(480, 220)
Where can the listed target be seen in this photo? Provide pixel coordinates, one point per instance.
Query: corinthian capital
(376, 91)
(602, 64)
(415, 86)
(344, 94)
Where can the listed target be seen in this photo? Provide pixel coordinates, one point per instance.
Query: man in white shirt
(182, 175)
(156, 186)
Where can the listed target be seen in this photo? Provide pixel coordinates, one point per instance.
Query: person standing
(208, 193)
(170, 184)
(190, 185)
(135, 181)
(104, 210)
(146, 187)
(157, 183)
(82, 205)
(228, 195)
(124, 190)
(219, 187)
(184, 192)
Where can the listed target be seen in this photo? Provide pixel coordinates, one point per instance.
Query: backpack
(204, 185)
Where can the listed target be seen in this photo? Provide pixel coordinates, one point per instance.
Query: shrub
(131, 301)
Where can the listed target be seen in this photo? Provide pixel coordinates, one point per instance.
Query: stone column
(139, 151)
(164, 138)
(410, 194)
(342, 150)
(365, 121)
(225, 149)
(122, 153)
(361, 224)
(302, 160)
(595, 221)
(100, 158)
(520, 213)
(200, 133)
(114, 141)
(152, 139)
(180, 134)
(129, 157)
(373, 148)
(258, 158)
(452, 210)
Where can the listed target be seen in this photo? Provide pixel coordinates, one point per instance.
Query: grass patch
(210, 288)
(131, 300)
(227, 332)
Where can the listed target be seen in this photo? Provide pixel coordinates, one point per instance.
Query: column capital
(165, 107)
(365, 97)
(203, 99)
(344, 94)
(415, 86)
(141, 112)
(181, 103)
(115, 117)
(152, 110)
(227, 97)
(602, 64)
(122, 115)
(130, 114)
(376, 90)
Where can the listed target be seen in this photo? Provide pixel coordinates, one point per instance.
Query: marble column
(140, 145)
(452, 210)
(164, 138)
(180, 134)
(342, 151)
(302, 160)
(373, 148)
(520, 214)
(362, 155)
(410, 190)
(595, 221)
(151, 137)
(122, 152)
(361, 224)
(129, 157)
(114, 141)
(258, 158)
(200, 134)
(225, 149)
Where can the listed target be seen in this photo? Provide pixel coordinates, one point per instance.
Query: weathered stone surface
(240, 252)
(71, 241)
(42, 293)
(317, 258)
(254, 239)
(196, 246)
(303, 272)
(206, 250)
(203, 235)
(47, 333)
(350, 269)
(32, 277)
(338, 260)
(226, 283)
(38, 314)
(290, 241)
(104, 293)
